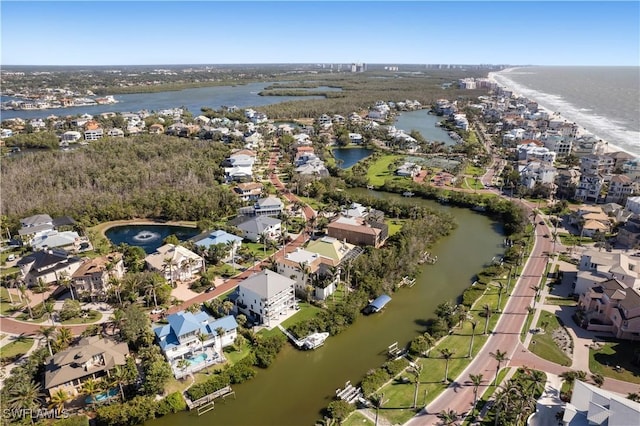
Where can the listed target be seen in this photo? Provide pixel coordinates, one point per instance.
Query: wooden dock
(406, 280)
(207, 403)
(350, 394)
(426, 257)
(299, 343)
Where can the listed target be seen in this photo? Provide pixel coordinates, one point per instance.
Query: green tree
(340, 410)
(476, 381)
(47, 333)
(487, 313)
(474, 324)
(135, 327)
(446, 354)
(24, 395)
(500, 357)
(91, 387)
(59, 398)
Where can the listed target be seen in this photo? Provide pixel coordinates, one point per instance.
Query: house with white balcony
(175, 263)
(620, 188)
(260, 227)
(590, 188)
(535, 172)
(93, 134)
(248, 191)
(309, 269)
(533, 151)
(239, 166)
(596, 267)
(268, 206)
(266, 298)
(71, 136)
(92, 279)
(197, 338)
(612, 307)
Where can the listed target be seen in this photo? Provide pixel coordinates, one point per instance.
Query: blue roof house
(219, 237)
(197, 338)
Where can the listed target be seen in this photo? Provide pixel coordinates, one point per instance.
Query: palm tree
(183, 364)
(168, 266)
(151, 286)
(377, 400)
(487, 311)
(49, 309)
(58, 399)
(23, 291)
(476, 381)
(500, 290)
(232, 247)
(41, 286)
(416, 370)
(202, 338)
(429, 341)
(47, 332)
(598, 379)
(24, 395)
(462, 313)
(474, 324)
(500, 356)
(227, 306)
(634, 396)
(65, 281)
(91, 387)
(117, 319)
(120, 377)
(63, 338)
(448, 417)
(446, 354)
(116, 285)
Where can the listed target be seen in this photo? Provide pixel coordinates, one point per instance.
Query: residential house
(48, 266)
(358, 231)
(196, 337)
(92, 279)
(93, 357)
(620, 158)
(315, 168)
(264, 297)
(334, 251)
(33, 226)
(620, 188)
(260, 227)
(356, 138)
(612, 307)
(248, 191)
(93, 134)
(593, 406)
(54, 239)
(240, 166)
(115, 133)
(71, 136)
(591, 188)
(629, 234)
(156, 129)
(633, 204)
(409, 169)
(598, 266)
(536, 172)
(175, 262)
(219, 237)
(566, 182)
(268, 206)
(533, 151)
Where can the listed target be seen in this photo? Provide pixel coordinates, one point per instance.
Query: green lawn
(234, 356)
(379, 171)
(17, 347)
(315, 204)
(543, 344)
(258, 250)
(560, 301)
(357, 419)
(472, 170)
(93, 316)
(612, 354)
(395, 225)
(306, 311)
(6, 308)
(572, 240)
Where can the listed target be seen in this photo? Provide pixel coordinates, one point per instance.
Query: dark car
(209, 290)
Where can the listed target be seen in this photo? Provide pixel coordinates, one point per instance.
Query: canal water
(425, 123)
(347, 157)
(298, 385)
(149, 237)
(242, 96)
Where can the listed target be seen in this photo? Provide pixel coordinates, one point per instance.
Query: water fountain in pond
(145, 236)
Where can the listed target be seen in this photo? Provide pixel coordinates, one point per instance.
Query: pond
(149, 237)
(347, 157)
(424, 123)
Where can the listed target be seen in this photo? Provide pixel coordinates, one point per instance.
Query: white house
(71, 136)
(198, 338)
(268, 206)
(598, 266)
(175, 262)
(591, 405)
(264, 297)
(219, 237)
(309, 269)
(93, 134)
(47, 266)
(259, 227)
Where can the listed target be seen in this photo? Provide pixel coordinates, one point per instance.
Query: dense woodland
(147, 176)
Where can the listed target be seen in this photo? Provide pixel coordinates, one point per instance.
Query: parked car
(157, 311)
(11, 257)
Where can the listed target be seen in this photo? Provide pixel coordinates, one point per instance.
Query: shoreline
(504, 81)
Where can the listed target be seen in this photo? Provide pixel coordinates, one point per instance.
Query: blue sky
(214, 32)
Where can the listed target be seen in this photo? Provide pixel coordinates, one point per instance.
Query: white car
(157, 311)
(11, 257)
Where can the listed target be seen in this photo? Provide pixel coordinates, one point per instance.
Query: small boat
(408, 194)
(314, 340)
(377, 304)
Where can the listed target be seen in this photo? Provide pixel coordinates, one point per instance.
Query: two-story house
(91, 358)
(356, 230)
(261, 227)
(315, 275)
(596, 267)
(92, 278)
(197, 338)
(268, 206)
(48, 266)
(175, 262)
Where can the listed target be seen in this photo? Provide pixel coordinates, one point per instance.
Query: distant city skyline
(593, 33)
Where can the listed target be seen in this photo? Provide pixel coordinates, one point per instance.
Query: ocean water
(605, 101)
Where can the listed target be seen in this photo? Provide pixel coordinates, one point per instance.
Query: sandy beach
(502, 79)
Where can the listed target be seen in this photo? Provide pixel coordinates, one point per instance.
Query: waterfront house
(54, 239)
(409, 169)
(33, 226)
(620, 188)
(591, 405)
(175, 262)
(259, 227)
(197, 337)
(71, 136)
(93, 134)
(358, 231)
(156, 129)
(47, 265)
(265, 297)
(612, 307)
(92, 279)
(315, 168)
(309, 269)
(333, 251)
(91, 358)
(115, 133)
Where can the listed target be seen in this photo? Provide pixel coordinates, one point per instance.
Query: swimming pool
(102, 396)
(198, 359)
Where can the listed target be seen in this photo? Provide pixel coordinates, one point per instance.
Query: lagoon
(424, 123)
(149, 237)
